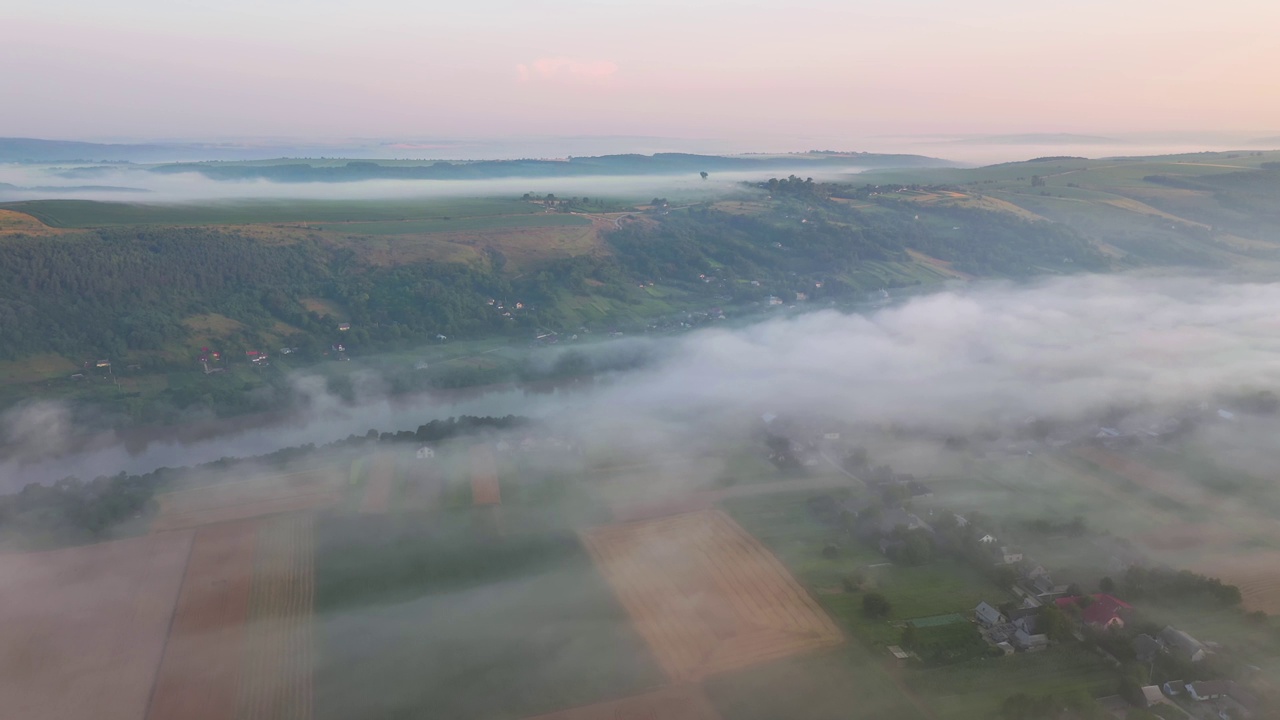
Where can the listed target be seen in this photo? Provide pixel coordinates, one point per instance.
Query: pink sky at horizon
(721, 69)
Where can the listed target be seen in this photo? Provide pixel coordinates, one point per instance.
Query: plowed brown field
(1257, 574)
(82, 629)
(705, 595)
(484, 477)
(377, 489)
(200, 672)
(683, 702)
(278, 658)
(250, 498)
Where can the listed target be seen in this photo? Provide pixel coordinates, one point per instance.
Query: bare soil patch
(682, 702)
(13, 222)
(82, 629)
(200, 673)
(484, 477)
(705, 595)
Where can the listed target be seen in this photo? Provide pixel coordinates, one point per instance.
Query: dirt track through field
(705, 595)
(82, 630)
(243, 499)
(377, 489)
(200, 671)
(484, 477)
(681, 702)
(279, 648)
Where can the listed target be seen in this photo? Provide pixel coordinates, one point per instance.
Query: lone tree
(703, 174)
(875, 605)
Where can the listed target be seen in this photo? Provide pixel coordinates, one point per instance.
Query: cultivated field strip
(82, 630)
(378, 487)
(279, 651)
(706, 596)
(200, 671)
(484, 476)
(681, 702)
(255, 497)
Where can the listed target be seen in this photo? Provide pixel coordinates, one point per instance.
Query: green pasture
(89, 213)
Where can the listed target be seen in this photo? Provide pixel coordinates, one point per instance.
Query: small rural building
(987, 539)
(1030, 643)
(1207, 689)
(900, 656)
(1243, 701)
(343, 327)
(1174, 688)
(1029, 623)
(1006, 648)
(1151, 695)
(988, 615)
(426, 453)
(1181, 645)
(896, 518)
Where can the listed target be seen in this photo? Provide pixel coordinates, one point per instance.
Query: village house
(425, 453)
(1103, 612)
(1151, 695)
(1207, 689)
(1008, 556)
(988, 615)
(1146, 648)
(1030, 643)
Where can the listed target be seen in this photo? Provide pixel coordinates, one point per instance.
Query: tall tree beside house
(1055, 623)
(875, 605)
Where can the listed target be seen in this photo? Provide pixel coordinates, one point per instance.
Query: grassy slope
(1109, 200)
(87, 213)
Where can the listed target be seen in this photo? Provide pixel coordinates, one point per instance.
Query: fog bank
(985, 358)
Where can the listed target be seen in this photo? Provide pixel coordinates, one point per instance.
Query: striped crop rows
(279, 652)
(705, 595)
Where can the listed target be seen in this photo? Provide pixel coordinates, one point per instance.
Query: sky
(746, 71)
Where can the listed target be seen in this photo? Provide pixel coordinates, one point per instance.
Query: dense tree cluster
(74, 511)
(1166, 585)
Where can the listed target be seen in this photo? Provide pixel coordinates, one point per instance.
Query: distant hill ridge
(658, 164)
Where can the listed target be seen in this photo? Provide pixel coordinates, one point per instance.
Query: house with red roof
(1100, 611)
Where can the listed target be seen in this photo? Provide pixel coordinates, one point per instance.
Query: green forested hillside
(390, 277)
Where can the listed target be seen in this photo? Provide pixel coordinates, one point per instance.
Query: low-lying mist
(983, 360)
(137, 185)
